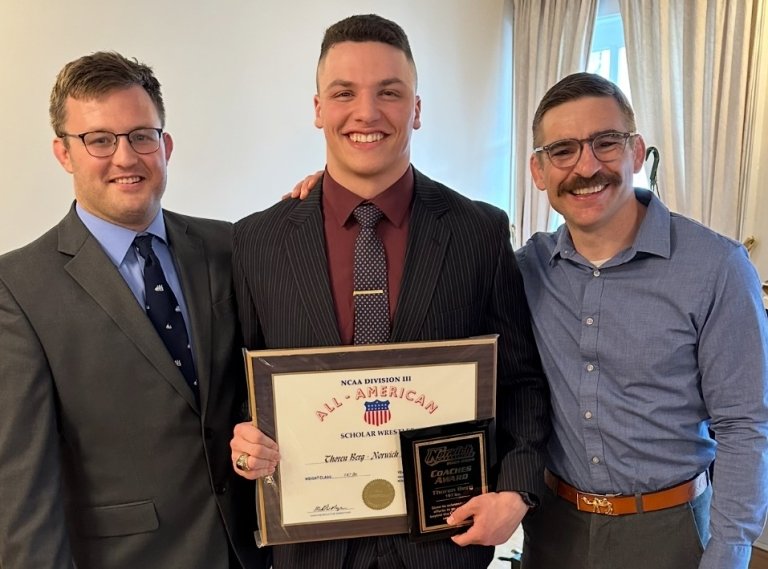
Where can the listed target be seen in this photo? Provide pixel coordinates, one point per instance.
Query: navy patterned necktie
(371, 291)
(164, 312)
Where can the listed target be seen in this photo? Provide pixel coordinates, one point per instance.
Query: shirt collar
(339, 202)
(563, 244)
(653, 236)
(115, 239)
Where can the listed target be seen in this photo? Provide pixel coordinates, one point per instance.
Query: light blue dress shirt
(117, 243)
(644, 355)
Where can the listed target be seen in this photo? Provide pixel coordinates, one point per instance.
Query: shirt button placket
(589, 312)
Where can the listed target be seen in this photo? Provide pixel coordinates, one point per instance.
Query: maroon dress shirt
(341, 231)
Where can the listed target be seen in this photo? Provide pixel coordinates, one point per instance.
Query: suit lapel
(94, 272)
(192, 267)
(305, 248)
(428, 240)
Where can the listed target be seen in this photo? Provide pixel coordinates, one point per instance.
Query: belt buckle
(595, 504)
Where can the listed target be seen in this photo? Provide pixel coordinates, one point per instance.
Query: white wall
(238, 80)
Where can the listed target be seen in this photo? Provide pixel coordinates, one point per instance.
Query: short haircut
(364, 28)
(577, 86)
(93, 76)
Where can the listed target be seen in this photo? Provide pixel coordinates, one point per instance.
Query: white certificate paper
(338, 433)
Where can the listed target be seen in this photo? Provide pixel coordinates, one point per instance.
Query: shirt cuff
(530, 500)
(719, 555)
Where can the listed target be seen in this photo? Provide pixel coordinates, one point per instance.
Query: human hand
(254, 454)
(495, 515)
(301, 189)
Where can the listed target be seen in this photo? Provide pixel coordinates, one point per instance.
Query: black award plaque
(443, 468)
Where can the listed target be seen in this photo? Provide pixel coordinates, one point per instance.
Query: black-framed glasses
(102, 143)
(606, 146)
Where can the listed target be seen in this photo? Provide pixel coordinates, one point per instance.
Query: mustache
(578, 182)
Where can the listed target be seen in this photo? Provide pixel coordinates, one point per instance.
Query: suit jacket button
(220, 488)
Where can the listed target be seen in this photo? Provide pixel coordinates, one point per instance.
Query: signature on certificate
(331, 508)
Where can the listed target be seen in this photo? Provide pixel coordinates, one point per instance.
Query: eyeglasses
(101, 144)
(606, 146)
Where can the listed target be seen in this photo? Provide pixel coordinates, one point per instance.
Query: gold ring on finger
(242, 462)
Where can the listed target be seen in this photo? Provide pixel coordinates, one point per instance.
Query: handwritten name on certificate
(338, 434)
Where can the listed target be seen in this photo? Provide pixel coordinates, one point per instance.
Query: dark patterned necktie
(371, 292)
(164, 312)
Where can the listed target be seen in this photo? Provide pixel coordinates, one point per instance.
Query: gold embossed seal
(378, 494)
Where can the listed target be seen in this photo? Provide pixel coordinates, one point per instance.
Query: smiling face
(125, 188)
(367, 107)
(592, 196)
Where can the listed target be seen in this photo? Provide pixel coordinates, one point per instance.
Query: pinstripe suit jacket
(106, 459)
(460, 279)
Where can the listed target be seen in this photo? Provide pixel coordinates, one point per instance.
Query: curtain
(550, 39)
(692, 76)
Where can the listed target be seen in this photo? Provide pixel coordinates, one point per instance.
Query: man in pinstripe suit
(451, 274)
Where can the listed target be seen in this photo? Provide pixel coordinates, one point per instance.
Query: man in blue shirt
(654, 340)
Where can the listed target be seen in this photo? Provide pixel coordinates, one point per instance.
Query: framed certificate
(336, 414)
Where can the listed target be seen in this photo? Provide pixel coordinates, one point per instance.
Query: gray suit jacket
(105, 459)
(460, 279)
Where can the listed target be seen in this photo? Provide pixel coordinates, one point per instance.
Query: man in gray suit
(451, 274)
(109, 458)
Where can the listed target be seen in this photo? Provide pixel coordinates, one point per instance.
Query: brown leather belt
(620, 505)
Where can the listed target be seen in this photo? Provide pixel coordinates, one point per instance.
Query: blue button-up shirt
(648, 352)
